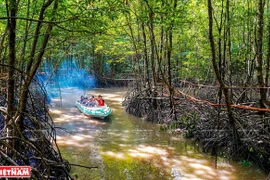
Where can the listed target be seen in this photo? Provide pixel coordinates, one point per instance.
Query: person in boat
(100, 101)
(92, 101)
(82, 99)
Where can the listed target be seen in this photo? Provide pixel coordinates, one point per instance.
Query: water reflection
(125, 147)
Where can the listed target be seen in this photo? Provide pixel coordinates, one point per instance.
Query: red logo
(15, 171)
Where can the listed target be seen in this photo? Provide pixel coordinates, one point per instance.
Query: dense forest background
(215, 54)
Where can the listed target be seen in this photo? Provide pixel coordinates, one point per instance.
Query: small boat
(96, 111)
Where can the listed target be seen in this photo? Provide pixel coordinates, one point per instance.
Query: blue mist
(67, 75)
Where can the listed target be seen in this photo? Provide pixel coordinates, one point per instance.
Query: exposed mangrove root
(32, 140)
(147, 105)
(199, 116)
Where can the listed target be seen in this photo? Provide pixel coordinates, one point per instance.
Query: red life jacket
(100, 102)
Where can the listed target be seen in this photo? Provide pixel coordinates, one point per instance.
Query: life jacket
(100, 102)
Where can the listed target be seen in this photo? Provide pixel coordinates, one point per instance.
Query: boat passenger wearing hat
(100, 101)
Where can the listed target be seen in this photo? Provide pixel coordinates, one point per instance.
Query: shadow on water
(125, 147)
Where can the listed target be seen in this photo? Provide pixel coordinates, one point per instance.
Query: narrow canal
(124, 147)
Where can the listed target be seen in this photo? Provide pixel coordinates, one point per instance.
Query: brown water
(124, 147)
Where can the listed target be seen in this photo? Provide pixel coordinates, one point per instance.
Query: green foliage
(163, 128)
(187, 122)
(75, 175)
(190, 121)
(113, 30)
(246, 163)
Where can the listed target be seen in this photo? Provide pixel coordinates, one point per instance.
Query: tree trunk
(11, 12)
(32, 71)
(137, 70)
(25, 39)
(224, 88)
(146, 63)
(267, 122)
(259, 54)
(268, 47)
(169, 55)
(152, 48)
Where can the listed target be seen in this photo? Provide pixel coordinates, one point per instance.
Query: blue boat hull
(99, 112)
